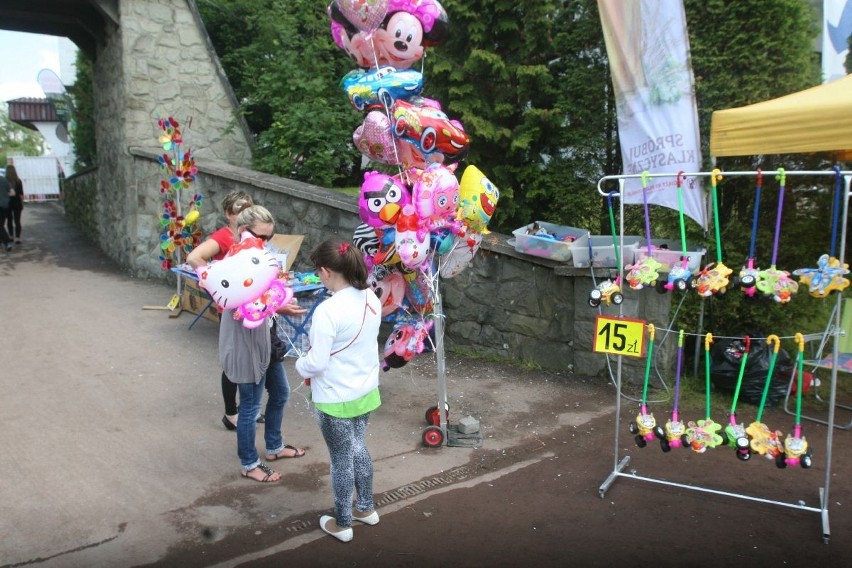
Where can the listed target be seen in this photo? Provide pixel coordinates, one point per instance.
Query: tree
(83, 136)
(285, 69)
(17, 140)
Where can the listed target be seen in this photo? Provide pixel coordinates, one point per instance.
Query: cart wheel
(633, 428)
(594, 303)
(433, 417)
(681, 285)
(661, 287)
(780, 461)
(433, 437)
(659, 432)
(641, 441)
(743, 455)
(617, 298)
(664, 444)
(685, 441)
(805, 461)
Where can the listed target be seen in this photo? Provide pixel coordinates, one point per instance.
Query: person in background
(343, 367)
(5, 193)
(216, 247)
(245, 356)
(16, 204)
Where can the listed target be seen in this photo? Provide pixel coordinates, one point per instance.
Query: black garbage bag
(726, 358)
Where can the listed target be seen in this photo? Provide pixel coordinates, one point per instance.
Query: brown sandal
(265, 469)
(297, 453)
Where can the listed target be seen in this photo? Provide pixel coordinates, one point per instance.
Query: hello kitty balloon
(242, 282)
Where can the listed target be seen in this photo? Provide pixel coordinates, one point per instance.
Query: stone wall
(158, 63)
(505, 305)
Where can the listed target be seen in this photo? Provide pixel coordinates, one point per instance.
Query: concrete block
(468, 425)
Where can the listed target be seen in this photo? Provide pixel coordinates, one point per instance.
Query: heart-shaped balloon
(373, 138)
(366, 15)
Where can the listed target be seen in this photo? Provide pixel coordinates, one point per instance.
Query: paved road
(113, 454)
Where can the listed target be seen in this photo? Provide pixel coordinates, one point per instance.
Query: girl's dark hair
(343, 258)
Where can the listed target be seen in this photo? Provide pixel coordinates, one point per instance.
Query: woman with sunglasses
(343, 365)
(245, 355)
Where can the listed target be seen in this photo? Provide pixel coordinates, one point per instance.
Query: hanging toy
(796, 449)
(704, 433)
(713, 278)
(608, 291)
(773, 282)
(749, 275)
(735, 433)
(763, 440)
(675, 429)
(829, 274)
(645, 428)
(679, 275)
(646, 271)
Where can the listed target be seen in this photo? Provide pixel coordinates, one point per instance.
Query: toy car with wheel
(796, 452)
(380, 87)
(645, 429)
(675, 436)
(608, 292)
(748, 278)
(736, 437)
(679, 278)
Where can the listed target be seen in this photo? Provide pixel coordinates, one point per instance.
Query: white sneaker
(371, 518)
(329, 526)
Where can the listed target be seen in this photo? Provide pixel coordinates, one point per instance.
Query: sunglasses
(264, 238)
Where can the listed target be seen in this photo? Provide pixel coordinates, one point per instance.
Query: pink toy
(243, 280)
(381, 200)
(412, 241)
(373, 138)
(436, 197)
(389, 286)
(406, 341)
(400, 38)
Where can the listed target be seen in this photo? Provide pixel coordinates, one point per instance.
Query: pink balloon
(373, 138)
(366, 15)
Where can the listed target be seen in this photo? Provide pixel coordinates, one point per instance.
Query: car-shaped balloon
(428, 128)
(380, 87)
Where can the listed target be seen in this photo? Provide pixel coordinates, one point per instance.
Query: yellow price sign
(619, 336)
(173, 303)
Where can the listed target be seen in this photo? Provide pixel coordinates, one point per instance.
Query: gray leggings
(351, 464)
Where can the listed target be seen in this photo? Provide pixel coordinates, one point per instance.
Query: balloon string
(402, 172)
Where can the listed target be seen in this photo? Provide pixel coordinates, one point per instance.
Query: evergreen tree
(83, 136)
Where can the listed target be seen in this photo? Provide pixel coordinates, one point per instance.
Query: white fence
(40, 176)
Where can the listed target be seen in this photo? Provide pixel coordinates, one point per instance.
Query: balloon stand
(440, 431)
(620, 463)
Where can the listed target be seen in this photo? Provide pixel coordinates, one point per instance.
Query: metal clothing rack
(620, 463)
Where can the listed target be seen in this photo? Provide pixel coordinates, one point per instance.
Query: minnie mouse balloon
(366, 15)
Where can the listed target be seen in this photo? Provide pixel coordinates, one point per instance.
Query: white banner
(836, 29)
(648, 49)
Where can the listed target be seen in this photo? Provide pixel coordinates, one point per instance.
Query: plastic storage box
(602, 251)
(556, 245)
(668, 252)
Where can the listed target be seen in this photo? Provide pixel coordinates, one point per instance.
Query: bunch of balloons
(179, 233)
(422, 222)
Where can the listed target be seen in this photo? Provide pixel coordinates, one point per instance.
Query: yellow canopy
(814, 120)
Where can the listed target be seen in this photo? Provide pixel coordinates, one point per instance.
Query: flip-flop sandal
(265, 469)
(298, 452)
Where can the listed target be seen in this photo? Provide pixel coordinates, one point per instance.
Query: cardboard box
(286, 249)
(194, 300)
